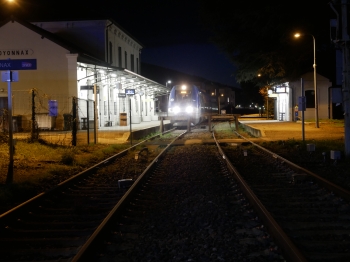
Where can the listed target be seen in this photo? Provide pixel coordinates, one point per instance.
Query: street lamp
(167, 82)
(315, 79)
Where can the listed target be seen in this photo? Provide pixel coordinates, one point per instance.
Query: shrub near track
(318, 161)
(40, 166)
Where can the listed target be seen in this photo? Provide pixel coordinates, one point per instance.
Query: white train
(189, 101)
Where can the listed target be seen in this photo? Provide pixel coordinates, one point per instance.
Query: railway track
(184, 204)
(313, 212)
(53, 226)
(188, 208)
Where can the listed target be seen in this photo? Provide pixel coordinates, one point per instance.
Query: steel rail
(327, 184)
(85, 251)
(290, 251)
(80, 175)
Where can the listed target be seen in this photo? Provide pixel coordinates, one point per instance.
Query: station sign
(18, 64)
(130, 91)
(88, 87)
(9, 76)
(302, 103)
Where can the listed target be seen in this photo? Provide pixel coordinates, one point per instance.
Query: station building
(93, 62)
(287, 103)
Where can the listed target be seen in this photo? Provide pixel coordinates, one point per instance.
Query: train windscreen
(183, 94)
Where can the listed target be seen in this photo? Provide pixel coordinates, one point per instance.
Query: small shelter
(287, 96)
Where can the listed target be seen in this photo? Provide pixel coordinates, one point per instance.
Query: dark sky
(170, 31)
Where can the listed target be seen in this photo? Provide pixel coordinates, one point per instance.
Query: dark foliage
(258, 36)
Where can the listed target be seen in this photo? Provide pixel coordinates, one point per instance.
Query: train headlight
(189, 109)
(176, 109)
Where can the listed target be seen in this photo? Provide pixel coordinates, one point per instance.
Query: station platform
(124, 134)
(134, 127)
(104, 135)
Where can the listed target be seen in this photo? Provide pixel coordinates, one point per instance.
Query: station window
(137, 65)
(132, 62)
(120, 57)
(110, 52)
(310, 98)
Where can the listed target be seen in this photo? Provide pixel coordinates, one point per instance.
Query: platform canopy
(121, 79)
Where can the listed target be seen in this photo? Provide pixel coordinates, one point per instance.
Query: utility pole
(346, 95)
(342, 43)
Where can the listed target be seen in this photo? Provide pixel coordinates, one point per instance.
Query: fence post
(33, 129)
(75, 122)
(87, 120)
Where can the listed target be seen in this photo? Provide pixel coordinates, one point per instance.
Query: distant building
(287, 98)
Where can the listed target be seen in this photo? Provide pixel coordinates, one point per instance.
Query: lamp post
(267, 103)
(167, 82)
(167, 98)
(315, 79)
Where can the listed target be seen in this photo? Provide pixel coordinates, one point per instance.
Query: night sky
(170, 31)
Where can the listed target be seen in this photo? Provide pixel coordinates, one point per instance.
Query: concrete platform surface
(282, 130)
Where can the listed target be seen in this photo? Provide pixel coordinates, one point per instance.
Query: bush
(68, 158)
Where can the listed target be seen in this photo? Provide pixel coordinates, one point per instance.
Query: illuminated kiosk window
(280, 89)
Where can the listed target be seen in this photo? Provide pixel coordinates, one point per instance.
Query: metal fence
(61, 120)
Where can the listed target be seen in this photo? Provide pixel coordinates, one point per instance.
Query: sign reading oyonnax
(18, 64)
(14, 52)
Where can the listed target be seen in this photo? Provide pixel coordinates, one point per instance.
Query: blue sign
(18, 64)
(53, 106)
(130, 91)
(302, 103)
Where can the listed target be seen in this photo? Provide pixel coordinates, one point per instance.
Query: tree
(258, 36)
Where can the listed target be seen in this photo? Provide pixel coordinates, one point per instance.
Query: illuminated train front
(188, 101)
